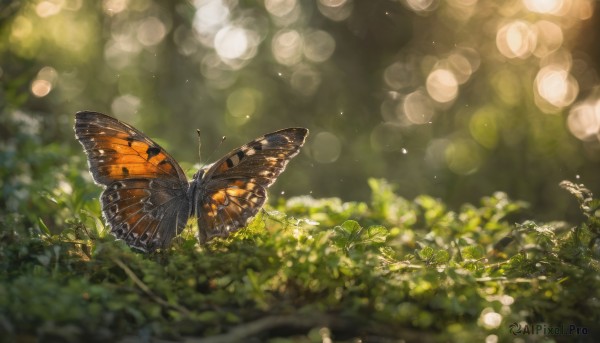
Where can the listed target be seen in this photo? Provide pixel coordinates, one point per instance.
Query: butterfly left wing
(145, 200)
(232, 190)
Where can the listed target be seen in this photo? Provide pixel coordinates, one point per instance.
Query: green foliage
(306, 270)
(391, 269)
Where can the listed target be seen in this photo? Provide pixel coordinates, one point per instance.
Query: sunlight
(41, 88)
(336, 10)
(556, 86)
(421, 5)
(280, 8)
(398, 75)
(210, 16)
(305, 80)
(231, 42)
(112, 7)
(460, 66)
(490, 319)
(550, 38)
(151, 31)
(418, 108)
(43, 84)
(287, 47)
(584, 120)
(516, 39)
(442, 85)
(555, 7)
(318, 46)
(46, 9)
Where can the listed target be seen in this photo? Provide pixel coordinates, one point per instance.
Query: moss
(392, 269)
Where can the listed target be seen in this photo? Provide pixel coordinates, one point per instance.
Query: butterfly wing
(145, 200)
(233, 189)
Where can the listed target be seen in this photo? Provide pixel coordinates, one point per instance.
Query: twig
(242, 332)
(146, 289)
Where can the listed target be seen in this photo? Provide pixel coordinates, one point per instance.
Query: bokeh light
(490, 319)
(516, 39)
(465, 86)
(318, 46)
(336, 10)
(435, 154)
(243, 103)
(41, 88)
(126, 106)
(418, 108)
(43, 84)
(210, 16)
(422, 5)
(484, 128)
(555, 86)
(151, 31)
(287, 47)
(112, 7)
(231, 42)
(555, 7)
(463, 156)
(460, 66)
(550, 38)
(584, 120)
(280, 8)
(283, 12)
(399, 75)
(442, 85)
(326, 147)
(305, 80)
(46, 9)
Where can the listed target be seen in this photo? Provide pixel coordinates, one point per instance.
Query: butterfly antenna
(199, 146)
(217, 148)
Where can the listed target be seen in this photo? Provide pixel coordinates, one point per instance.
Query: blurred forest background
(455, 99)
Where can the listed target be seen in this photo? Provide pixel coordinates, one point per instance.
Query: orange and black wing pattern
(145, 201)
(233, 189)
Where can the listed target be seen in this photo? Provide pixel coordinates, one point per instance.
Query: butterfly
(147, 198)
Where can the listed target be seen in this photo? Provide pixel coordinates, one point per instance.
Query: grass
(305, 270)
(309, 270)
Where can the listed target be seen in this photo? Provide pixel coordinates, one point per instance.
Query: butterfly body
(147, 198)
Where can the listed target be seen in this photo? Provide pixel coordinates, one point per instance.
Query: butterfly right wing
(145, 200)
(233, 189)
